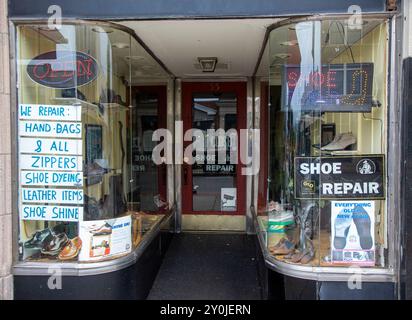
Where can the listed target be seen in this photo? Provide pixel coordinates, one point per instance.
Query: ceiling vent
(207, 64)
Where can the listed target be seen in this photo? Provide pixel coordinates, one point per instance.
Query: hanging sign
(354, 177)
(334, 88)
(63, 69)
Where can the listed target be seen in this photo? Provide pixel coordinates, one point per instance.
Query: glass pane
(214, 176)
(148, 179)
(76, 134)
(327, 143)
(353, 218)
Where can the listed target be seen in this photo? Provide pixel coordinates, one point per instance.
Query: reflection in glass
(89, 70)
(214, 180)
(324, 79)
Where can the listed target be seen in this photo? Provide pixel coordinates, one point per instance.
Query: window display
(325, 196)
(79, 198)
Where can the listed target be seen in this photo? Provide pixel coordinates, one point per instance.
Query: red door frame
(161, 92)
(188, 89)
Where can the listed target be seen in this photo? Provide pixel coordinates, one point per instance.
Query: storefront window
(325, 188)
(80, 126)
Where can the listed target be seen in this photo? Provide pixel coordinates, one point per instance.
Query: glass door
(213, 115)
(149, 180)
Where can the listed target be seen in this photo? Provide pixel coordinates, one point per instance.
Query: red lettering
(84, 68)
(330, 79)
(316, 79)
(292, 79)
(68, 66)
(53, 72)
(63, 70)
(44, 75)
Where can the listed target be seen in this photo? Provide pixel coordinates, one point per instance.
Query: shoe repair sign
(352, 225)
(354, 177)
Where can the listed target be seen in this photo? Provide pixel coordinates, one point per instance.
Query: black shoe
(342, 225)
(363, 225)
(38, 239)
(57, 243)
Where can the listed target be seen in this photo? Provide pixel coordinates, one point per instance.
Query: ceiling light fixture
(101, 30)
(120, 45)
(290, 43)
(134, 58)
(208, 64)
(281, 56)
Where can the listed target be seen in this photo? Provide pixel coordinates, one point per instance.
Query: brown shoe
(277, 245)
(285, 248)
(71, 250)
(308, 257)
(303, 257)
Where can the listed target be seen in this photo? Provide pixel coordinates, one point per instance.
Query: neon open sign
(63, 69)
(334, 88)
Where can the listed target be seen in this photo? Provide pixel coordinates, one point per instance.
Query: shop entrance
(212, 184)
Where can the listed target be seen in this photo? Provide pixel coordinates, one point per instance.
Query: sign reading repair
(50, 112)
(50, 161)
(355, 177)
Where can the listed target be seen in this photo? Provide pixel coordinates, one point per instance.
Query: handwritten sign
(50, 129)
(50, 112)
(55, 163)
(50, 146)
(41, 195)
(51, 213)
(51, 178)
(50, 155)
